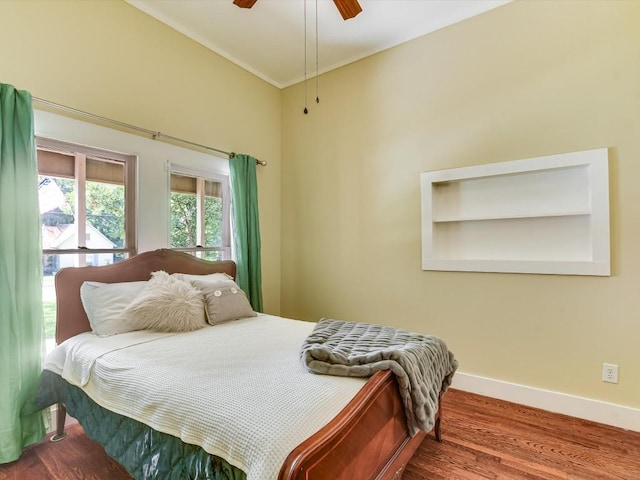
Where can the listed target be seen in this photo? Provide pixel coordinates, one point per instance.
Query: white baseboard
(580, 407)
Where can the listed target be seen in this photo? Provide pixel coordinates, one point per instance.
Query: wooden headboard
(71, 318)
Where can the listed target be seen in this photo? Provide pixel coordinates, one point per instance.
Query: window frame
(130, 163)
(202, 175)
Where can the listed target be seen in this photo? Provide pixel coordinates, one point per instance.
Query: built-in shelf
(538, 215)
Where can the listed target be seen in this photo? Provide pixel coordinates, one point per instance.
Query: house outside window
(200, 213)
(87, 212)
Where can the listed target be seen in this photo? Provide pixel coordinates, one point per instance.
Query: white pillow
(105, 302)
(224, 300)
(167, 304)
(209, 277)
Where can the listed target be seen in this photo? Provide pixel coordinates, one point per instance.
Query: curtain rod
(153, 134)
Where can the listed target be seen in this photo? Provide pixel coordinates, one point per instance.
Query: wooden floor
(486, 438)
(483, 439)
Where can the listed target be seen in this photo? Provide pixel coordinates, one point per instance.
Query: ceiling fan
(348, 8)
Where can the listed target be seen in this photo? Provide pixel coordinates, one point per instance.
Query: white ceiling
(268, 39)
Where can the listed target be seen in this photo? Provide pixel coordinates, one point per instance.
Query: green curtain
(21, 325)
(246, 227)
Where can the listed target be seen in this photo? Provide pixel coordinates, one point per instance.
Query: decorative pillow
(104, 303)
(224, 300)
(167, 304)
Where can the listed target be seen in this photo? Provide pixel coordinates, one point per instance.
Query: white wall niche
(539, 215)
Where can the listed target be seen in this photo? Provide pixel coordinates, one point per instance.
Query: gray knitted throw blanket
(422, 364)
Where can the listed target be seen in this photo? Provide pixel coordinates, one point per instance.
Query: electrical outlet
(609, 373)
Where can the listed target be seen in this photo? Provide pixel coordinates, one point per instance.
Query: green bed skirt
(144, 452)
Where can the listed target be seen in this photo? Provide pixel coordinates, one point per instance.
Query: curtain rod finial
(258, 162)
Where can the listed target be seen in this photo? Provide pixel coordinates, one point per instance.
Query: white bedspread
(238, 389)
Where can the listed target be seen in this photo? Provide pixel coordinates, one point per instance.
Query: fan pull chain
(305, 58)
(317, 56)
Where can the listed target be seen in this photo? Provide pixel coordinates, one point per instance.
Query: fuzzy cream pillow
(167, 304)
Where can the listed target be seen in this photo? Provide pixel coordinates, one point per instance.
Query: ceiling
(268, 39)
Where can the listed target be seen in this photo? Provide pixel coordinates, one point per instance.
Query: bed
(367, 439)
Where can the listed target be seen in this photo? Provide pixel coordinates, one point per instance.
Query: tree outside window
(199, 214)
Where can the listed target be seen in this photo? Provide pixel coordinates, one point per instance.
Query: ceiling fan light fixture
(347, 8)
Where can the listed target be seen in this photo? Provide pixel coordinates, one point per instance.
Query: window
(199, 213)
(87, 212)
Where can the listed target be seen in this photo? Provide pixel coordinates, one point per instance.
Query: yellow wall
(110, 59)
(528, 79)
(340, 216)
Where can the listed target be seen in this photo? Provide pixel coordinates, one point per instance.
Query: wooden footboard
(367, 440)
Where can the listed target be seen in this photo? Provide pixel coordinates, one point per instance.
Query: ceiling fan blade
(348, 8)
(244, 3)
